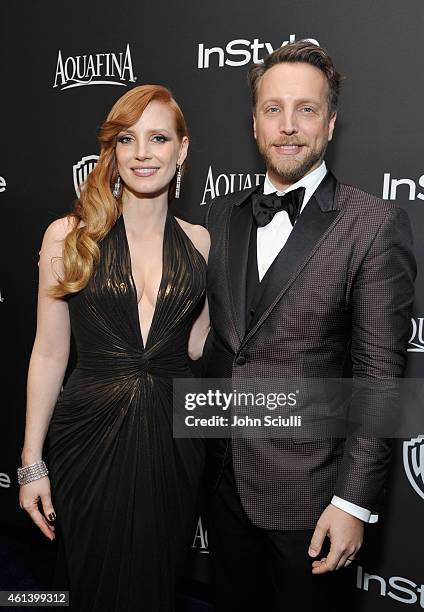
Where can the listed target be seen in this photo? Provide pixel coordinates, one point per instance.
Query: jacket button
(241, 359)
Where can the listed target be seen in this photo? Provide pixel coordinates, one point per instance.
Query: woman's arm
(199, 333)
(50, 352)
(201, 239)
(47, 368)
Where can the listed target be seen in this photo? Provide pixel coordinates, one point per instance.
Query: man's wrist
(359, 512)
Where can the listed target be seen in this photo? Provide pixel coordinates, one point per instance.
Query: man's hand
(345, 532)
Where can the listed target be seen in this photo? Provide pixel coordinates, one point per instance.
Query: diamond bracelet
(31, 472)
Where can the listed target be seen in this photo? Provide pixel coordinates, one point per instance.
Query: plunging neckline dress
(123, 488)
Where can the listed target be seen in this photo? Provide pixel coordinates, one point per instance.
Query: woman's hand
(29, 496)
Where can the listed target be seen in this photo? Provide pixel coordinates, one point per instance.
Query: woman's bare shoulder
(60, 228)
(55, 235)
(199, 236)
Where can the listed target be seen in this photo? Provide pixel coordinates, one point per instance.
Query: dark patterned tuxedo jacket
(340, 291)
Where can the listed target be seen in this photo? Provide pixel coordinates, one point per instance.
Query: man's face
(291, 121)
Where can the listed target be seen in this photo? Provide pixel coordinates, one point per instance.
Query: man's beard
(292, 173)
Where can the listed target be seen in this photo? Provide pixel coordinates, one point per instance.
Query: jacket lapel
(315, 221)
(240, 226)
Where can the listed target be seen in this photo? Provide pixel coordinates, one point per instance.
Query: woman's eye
(160, 138)
(124, 139)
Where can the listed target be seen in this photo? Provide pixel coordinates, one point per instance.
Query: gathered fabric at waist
(134, 363)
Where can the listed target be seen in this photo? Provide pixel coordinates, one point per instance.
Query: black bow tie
(264, 206)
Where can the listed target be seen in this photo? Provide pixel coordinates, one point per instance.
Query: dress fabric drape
(123, 488)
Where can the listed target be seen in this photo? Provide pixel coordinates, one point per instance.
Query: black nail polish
(52, 516)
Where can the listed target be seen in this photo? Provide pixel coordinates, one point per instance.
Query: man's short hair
(302, 51)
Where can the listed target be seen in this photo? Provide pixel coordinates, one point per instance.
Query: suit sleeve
(382, 298)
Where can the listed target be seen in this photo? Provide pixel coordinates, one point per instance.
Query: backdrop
(63, 66)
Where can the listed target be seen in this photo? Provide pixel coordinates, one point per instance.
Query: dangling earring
(178, 185)
(117, 188)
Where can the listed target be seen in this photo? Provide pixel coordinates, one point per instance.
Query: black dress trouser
(260, 570)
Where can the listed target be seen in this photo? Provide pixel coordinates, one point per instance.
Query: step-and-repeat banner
(65, 64)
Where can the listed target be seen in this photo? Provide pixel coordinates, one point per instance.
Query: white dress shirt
(270, 240)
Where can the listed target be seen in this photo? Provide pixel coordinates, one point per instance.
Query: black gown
(123, 488)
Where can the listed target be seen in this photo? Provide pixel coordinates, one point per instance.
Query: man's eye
(160, 138)
(272, 109)
(307, 109)
(124, 139)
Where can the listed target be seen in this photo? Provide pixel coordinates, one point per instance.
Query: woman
(128, 278)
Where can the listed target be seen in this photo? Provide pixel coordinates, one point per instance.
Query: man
(299, 287)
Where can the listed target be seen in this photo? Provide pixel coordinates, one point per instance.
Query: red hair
(96, 211)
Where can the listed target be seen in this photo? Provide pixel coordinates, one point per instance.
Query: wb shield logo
(82, 169)
(416, 341)
(413, 462)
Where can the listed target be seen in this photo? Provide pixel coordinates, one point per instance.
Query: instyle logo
(200, 540)
(2, 184)
(4, 480)
(82, 169)
(416, 341)
(94, 69)
(239, 52)
(222, 184)
(400, 589)
(413, 462)
(404, 186)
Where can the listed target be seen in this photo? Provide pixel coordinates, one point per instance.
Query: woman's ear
(183, 150)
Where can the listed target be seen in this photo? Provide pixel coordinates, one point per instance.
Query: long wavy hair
(97, 210)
